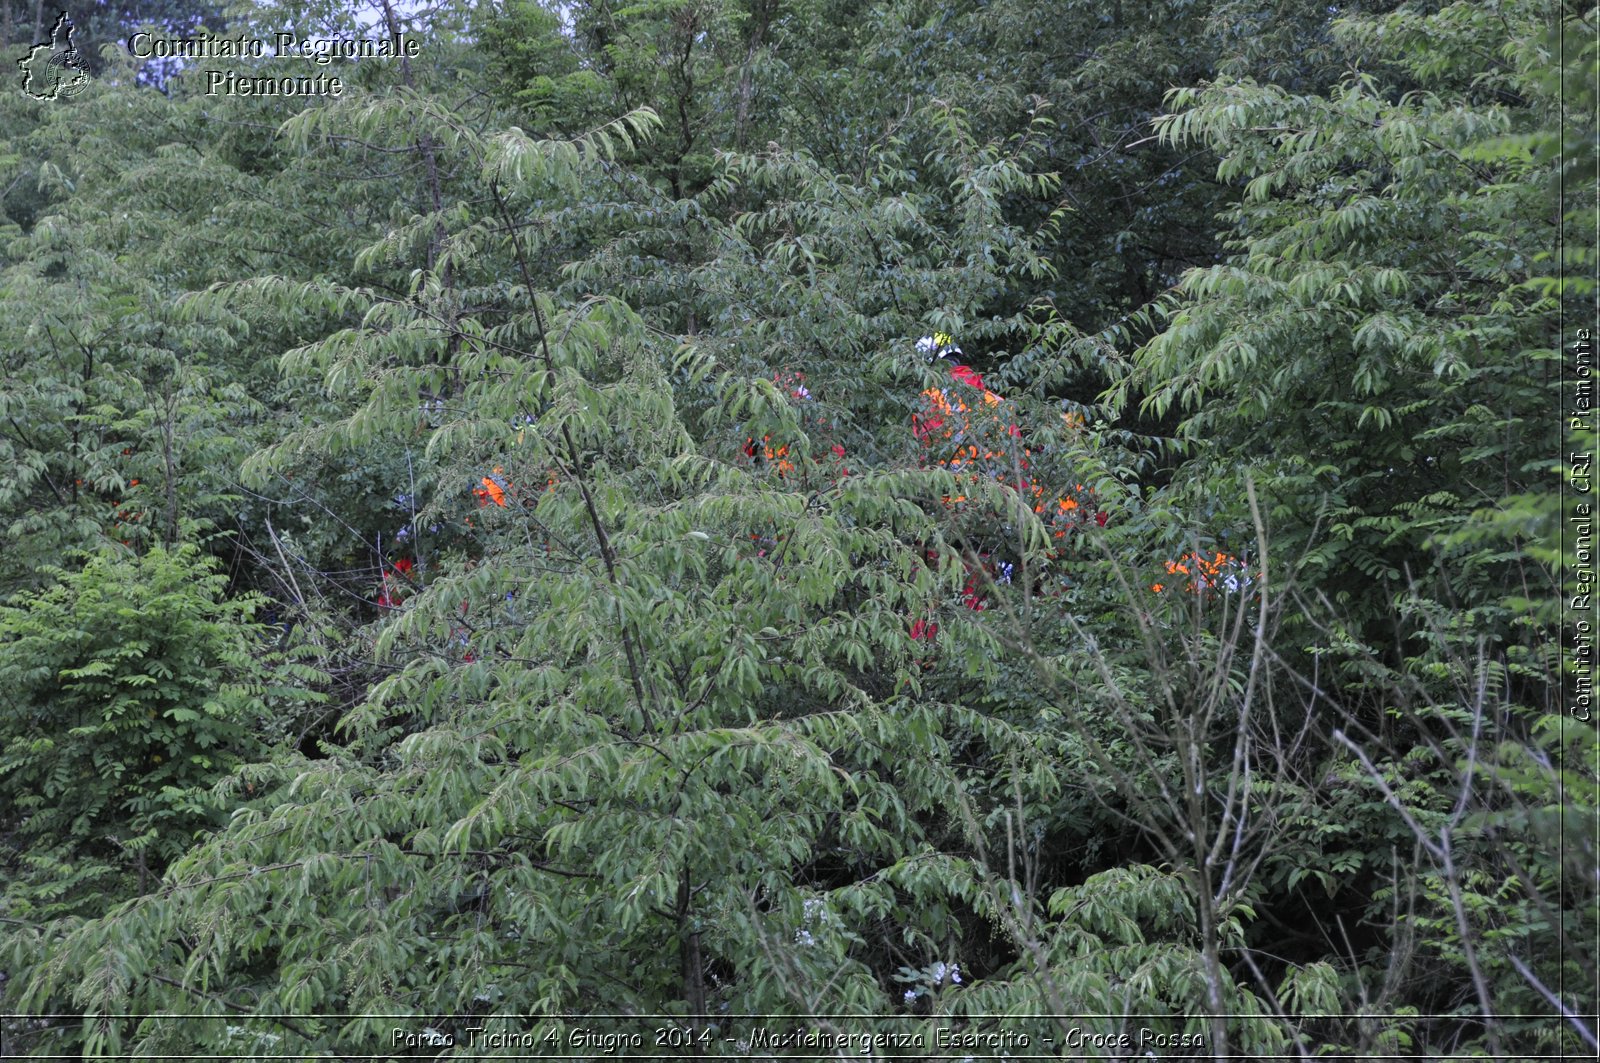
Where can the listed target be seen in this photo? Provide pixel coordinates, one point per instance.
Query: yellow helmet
(939, 345)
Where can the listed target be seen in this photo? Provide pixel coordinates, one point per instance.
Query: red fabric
(964, 374)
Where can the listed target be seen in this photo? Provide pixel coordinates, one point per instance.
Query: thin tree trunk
(741, 116)
(430, 160)
(169, 430)
(694, 975)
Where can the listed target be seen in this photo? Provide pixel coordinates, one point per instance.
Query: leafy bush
(130, 684)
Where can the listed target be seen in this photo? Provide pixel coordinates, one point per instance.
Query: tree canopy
(801, 524)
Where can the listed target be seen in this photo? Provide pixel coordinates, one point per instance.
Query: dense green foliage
(497, 543)
(131, 686)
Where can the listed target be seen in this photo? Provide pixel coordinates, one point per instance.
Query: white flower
(814, 911)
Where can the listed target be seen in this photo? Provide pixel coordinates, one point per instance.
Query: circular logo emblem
(55, 69)
(67, 73)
